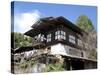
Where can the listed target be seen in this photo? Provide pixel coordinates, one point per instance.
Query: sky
(27, 13)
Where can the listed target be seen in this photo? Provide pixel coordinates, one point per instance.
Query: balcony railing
(38, 43)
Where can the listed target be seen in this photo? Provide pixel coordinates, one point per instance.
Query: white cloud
(24, 21)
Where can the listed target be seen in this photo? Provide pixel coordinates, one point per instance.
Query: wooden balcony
(37, 44)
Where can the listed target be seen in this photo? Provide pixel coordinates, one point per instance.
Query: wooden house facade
(59, 36)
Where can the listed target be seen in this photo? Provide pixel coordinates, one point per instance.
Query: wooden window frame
(72, 39)
(60, 35)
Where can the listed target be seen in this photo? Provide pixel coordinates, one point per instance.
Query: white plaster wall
(58, 49)
(61, 49)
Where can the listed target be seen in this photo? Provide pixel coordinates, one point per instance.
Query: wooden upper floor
(49, 31)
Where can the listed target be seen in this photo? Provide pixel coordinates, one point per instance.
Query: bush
(55, 67)
(24, 65)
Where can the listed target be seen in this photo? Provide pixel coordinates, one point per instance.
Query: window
(60, 35)
(79, 42)
(48, 37)
(42, 37)
(63, 35)
(72, 39)
(39, 37)
(57, 35)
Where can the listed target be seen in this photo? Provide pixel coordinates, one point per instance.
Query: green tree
(84, 23)
(90, 40)
(18, 40)
(93, 54)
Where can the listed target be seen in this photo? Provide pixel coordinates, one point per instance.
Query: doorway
(77, 65)
(74, 64)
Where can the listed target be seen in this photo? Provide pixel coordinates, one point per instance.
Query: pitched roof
(48, 23)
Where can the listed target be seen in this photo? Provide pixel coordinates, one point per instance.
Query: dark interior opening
(77, 64)
(74, 64)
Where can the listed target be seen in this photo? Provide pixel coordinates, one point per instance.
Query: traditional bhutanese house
(59, 36)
